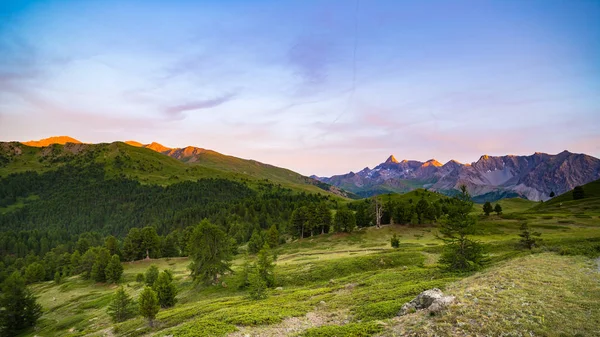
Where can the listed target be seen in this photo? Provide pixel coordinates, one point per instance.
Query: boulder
(433, 300)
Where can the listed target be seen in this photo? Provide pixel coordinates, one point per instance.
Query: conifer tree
(395, 241)
(257, 287)
(210, 251)
(165, 289)
(151, 275)
(121, 307)
(273, 236)
(498, 209)
(529, 239)
(265, 266)
(114, 269)
(487, 208)
(460, 252)
(19, 309)
(148, 304)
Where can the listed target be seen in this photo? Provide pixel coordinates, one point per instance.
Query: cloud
(310, 56)
(176, 111)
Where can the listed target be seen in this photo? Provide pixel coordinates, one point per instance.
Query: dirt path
(294, 325)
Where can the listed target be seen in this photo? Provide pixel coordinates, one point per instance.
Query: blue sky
(320, 87)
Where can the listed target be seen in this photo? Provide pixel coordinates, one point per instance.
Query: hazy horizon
(319, 87)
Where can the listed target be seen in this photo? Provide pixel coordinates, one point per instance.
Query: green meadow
(354, 285)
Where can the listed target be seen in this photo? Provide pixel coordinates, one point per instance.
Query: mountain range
(490, 178)
(150, 163)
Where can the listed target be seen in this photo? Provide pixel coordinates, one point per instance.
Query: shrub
(395, 241)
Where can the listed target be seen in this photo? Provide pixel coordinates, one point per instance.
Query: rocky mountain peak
(391, 159)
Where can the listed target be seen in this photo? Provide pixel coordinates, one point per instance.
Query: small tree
(395, 241)
(258, 287)
(57, 277)
(121, 307)
(151, 275)
(114, 269)
(529, 239)
(18, 306)
(460, 252)
(165, 289)
(498, 209)
(139, 278)
(256, 242)
(265, 265)
(578, 193)
(148, 304)
(487, 208)
(245, 274)
(552, 194)
(273, 236)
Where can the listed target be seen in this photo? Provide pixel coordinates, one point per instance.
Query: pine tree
(487, 208)
(273, 236)
(578, 193)
(121, 307)
(165, 289)
(256, 242)
(19, 309)
(151, 275)
(460, 252)
(265, 266)
(529, 239)
(258, 287)
(148, 304)
(75, 263)
(344, 221)
(98, 272)
(498, 209)
(552, 194)
(114, 269)
(300, 221)
(210, 251)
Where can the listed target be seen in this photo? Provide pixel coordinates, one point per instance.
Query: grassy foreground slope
(354, 285)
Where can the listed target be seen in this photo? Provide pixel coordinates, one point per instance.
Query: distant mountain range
(150, 163)
(490, 178)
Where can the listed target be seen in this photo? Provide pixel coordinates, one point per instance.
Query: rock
(279, 288)
(322, 303)
(433, 300)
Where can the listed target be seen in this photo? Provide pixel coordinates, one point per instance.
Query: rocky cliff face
(490, 178)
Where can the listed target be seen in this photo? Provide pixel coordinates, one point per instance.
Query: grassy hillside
(354, 285)
(148, 166)
(565, 204)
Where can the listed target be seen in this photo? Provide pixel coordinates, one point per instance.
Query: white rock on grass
(433, 300)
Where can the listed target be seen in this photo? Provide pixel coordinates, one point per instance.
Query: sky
(320, 87)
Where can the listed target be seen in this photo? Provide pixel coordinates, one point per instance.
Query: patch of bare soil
(294, 325)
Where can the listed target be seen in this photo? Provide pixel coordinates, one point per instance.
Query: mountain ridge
(151, 163)
(489, 178)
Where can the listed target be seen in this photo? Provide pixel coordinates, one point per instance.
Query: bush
(395, 241)
(139, 278)
(348, 330)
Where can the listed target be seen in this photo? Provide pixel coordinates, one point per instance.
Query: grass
(354, 285)
(150, 167)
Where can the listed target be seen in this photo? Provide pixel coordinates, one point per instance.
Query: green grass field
(354, 285)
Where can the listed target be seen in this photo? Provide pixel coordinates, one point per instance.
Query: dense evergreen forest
(77, 207)
(62, 222)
